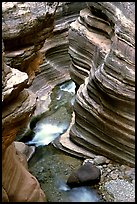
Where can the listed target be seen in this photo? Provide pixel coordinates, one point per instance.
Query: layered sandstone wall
(56, 59)
(38, 40)
(18, 105)
(102, 48)
(24, 29)
(28, 24)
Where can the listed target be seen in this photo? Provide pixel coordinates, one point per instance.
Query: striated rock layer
(102, 47)
(40, 34)
(22, 44)
(56, 61)
(87, 46)
(28, 24)
(18, 104)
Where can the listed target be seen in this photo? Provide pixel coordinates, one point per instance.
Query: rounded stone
(100, 160)
(87, 174)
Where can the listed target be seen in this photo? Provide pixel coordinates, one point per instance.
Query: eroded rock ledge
(48, 47)
(56, 60)
(102, 48)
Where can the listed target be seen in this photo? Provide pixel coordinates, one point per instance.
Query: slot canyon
(91, 47)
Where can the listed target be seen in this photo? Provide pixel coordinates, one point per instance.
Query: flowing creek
(50, 165)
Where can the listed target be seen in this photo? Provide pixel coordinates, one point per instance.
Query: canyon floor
(52, 167)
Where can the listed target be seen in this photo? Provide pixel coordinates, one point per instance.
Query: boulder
(18, 185)
(86, 175)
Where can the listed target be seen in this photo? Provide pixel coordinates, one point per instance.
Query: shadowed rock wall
(56, 59)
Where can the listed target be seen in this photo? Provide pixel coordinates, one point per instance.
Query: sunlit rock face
(102, 48)
(18, 105)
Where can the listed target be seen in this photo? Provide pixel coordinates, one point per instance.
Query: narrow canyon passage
(49, 165)
(68, 83)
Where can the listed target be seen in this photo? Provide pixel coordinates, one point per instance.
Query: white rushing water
(70, 87)
(49, 128)
(83, 194)
(79, 194)
(45, 133)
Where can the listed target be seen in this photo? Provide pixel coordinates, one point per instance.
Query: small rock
(107, 161)
(120, 176)
(123, 167)
(108, 170)
(88, 161)
(100, 160)
(110, 165)
(25, 149)
(131, 173)
(133, 181)
(21, 147)
(100, 167)
(114, 176)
